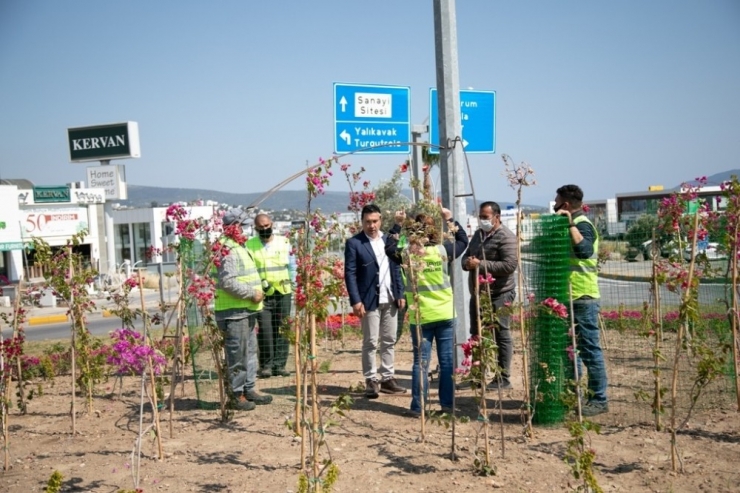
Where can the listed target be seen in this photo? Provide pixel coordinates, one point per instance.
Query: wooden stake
(150, 366)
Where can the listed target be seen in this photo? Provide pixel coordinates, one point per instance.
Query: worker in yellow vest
(584, 280)
(434, 311)
(277, 269)
(238, 301)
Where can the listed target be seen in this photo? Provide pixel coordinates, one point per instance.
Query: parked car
(710, 249)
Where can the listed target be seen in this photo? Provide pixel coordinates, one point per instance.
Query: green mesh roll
(201, 357)
(549, 259)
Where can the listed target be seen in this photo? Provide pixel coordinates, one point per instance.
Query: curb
(47, 319)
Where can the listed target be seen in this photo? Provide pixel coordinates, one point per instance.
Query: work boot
(592, 408)
(280, 372)
(264, 373)
(257, 397)
(241, 403)
(371, 388)
(495, 384)
(390, 386)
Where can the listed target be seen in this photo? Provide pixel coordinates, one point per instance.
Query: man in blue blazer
(375, 290)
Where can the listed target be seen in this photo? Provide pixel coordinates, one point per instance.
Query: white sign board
(111, 178)
(10, 230)
(53, 221)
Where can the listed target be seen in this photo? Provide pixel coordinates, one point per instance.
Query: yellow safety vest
(247, 274)
(584, 273)
(434, 288)
(272, 263)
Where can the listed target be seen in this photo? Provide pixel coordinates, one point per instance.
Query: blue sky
(237, 95)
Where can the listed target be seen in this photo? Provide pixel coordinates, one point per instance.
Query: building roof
(21, 183)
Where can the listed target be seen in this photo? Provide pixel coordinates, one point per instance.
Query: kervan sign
(50, 194)
(104, 142)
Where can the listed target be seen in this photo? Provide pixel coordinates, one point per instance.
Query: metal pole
(110, 244)
(416, 159)
(451, 154)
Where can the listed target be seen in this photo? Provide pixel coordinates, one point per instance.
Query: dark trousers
(503, 329)
(273, 346)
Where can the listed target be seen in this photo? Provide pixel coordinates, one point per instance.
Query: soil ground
(376, 447)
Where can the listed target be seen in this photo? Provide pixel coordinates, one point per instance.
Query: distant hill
(716, 179)
(144, 196)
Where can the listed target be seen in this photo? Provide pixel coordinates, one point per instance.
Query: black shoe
(467, 386)
(495, 384)
(264, 373)
(241, 403)
(257, 397)
(280, 372)
(390, 386)
(593, 408)
(371, 388)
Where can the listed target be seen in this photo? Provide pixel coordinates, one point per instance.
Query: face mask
(486, 225)
(265, 233)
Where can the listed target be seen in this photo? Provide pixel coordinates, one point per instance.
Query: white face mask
(486, 225)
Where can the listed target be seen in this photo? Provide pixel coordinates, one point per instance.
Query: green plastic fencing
(548, 257)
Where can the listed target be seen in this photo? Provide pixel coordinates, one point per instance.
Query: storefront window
(123, 243)
(142, 241)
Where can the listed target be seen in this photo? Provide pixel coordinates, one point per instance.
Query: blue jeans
(240, 346)
(444, 333)
(586, 315)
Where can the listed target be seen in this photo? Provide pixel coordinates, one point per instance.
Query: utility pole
(416, 159)
(451, 153)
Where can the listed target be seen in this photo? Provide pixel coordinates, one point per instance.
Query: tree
(389, 197)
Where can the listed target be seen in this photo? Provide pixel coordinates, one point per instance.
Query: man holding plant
(492, 255)
(584, 280)
(375, 290)
(238, 301)
(429, 298)
(277, 270)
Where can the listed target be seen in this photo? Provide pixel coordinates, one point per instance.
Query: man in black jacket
(492, 251)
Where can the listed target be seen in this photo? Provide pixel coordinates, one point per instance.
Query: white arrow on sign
(343, 103)
(465, 143)
(345, 136)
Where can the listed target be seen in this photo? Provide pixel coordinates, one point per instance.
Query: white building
(53, 214)
(136, 230)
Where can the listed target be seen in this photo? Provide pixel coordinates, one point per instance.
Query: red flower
(404, 167)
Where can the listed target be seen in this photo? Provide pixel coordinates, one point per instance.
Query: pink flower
(571, 352)
(486, 280)
(555, 307)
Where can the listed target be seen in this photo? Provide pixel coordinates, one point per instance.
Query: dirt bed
(376, 447)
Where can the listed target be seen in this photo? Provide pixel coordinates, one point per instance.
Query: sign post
(103, 143)
(477, 119)
(372, 118)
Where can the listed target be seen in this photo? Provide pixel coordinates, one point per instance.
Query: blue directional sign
(478, 118)
(370, 117)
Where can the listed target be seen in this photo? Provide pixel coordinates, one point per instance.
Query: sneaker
(411, 413)
(371, 388)
(257, 397)
(390, 386)
(448, 410)
(264, 373)
(592, 408)
(495, 384)
(280, 372)
(241, 403)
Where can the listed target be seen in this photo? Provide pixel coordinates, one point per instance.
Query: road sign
(368, 117)
(478, 118)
